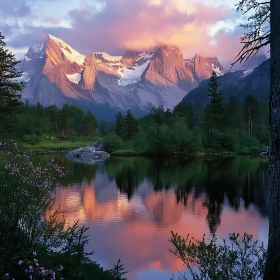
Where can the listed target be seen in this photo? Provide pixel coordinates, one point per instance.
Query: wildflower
(20, 262)
(61, 268)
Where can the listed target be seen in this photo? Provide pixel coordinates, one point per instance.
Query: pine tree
(216, 101)
(89, 125)
(215, 110)
(63, 121)
(120, 125)
(9, 88)
(131, 125)
(234, 116)
(40, 110)
(250, 105)
(52, 111)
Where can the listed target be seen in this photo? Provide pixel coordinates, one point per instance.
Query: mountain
(55, 73)
(251, 63)
(203, 67)
(239, 83)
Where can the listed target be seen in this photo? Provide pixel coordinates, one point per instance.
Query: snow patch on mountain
(131, 75)
(144, 56)
(217, 70)
(107, 57)
(37, 47)
(247, 72)
(71, 54)
(74, 78)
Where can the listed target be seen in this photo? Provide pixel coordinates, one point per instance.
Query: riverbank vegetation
(35, 243)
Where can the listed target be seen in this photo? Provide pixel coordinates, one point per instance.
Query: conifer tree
(120, 125)
(63, 121)
(40, 110)
(89, 124)
(250, 105)
(9, 88)
(234, 116)
(214, 111)
(131, 125)
(217, 109)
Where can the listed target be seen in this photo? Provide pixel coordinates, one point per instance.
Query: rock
(99, 146)
(87, 155)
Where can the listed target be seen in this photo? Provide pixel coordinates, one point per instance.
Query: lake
(131, 205)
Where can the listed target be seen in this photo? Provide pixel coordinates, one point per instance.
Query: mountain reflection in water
(131, 204)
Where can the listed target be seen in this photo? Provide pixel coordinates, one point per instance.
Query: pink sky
(195, 26)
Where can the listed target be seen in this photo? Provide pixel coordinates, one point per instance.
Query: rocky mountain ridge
(55, 73)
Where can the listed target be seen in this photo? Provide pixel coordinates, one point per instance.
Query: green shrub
(31, 139)
(113, 142)
(238, 258)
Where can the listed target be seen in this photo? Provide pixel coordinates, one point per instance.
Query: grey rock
(99, 146)
(87, 155)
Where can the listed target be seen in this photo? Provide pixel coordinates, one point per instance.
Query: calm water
(131, 204)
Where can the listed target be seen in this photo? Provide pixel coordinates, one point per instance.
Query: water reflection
(132, 204)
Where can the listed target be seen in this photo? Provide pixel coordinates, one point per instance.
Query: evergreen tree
(9, 88)
(186, 112)
(250, 105)
(89, 125)
(40, 110)
(53, 112)
(234, 116)
(120, 125)
(214, 111)
(131, 125)
(63, 121)
(103, 128)
(217, 109)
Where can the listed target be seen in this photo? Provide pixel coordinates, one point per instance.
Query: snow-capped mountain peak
(56, 73)
(71, 54)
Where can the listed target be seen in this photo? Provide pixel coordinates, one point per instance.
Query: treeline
(191, 128)
(34, 122)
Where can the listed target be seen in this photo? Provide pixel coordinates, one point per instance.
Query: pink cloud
(115, 26)
(140, 25)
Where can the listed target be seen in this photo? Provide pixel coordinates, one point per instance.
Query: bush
(113, 142)
(31, 139)
(239, 258)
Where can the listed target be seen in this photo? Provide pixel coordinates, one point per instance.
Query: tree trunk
(272, 270)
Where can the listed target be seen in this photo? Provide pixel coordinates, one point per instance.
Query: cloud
(115, 26)
(143, 24)
(15, 8)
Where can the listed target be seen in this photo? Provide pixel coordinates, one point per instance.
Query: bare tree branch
(258, 24)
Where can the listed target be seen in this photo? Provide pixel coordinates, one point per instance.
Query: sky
(207, 27)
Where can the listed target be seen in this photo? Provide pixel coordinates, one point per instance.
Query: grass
(56, 145)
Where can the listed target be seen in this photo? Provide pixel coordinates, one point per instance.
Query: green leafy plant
(238, 258)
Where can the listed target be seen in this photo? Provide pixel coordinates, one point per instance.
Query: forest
(229, 126)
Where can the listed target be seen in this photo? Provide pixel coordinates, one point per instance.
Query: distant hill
(255, 81)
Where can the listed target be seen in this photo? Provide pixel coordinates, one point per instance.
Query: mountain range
(56, 73)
